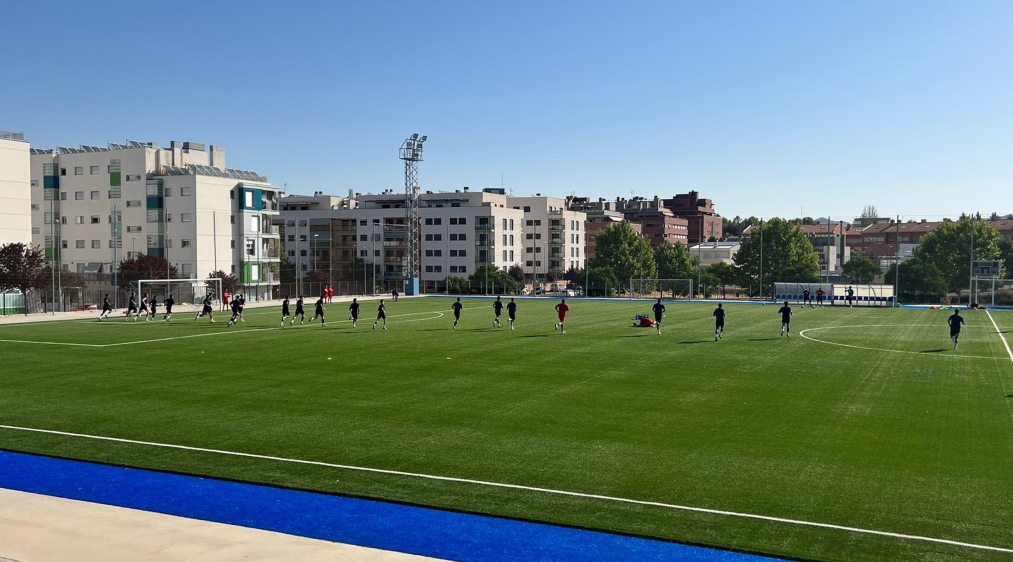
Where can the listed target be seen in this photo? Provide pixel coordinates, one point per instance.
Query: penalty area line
(551, 491)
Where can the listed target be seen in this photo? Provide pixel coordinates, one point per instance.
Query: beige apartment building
(554, 237)
(95, 206)
(15, 189)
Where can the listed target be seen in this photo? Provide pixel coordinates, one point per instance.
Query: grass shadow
(762, 339)
(696, 341)
(939, 350)
(535, 336)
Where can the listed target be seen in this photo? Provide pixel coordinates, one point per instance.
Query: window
(133, 203)
(79, 196)
(436, 253)
(79, 219)
(434, 237)
(504, 255)
(291, 237)
(133, 177)
(361, 222)
(511, 239)
(96, 244)
(63, 220)
(114, 194)
(362, 253)
(78, 170)
(186, 217)
(302, 253)
(167, 191)
(63, 244)
(528, 263)
(249, 247)
(185, 243)
(96, 219)
(93, 170)
(527, 208)
(232, 244)
(185, 191)
(255, 223)
(453, 220)
(63, 196)
(133, 229)
(505, 239)
(302, 237)
(291, 253)
(429, 269)
(248, 199)
(79, 243)
(462, 220)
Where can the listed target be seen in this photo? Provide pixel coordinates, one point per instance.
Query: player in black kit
(457, 306)
(353, 312)
(719, 322)
(512, 313)
(497, 307)
(785, 312)
(659, 314)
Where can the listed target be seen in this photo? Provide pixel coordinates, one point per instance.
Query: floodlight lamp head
(414, 136)
(423, 139)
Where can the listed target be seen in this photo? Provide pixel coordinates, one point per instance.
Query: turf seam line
(583, 495)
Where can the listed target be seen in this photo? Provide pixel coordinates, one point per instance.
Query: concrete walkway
(37, 528)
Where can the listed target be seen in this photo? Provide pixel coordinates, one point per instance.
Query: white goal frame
(191, 291)
(656, 287)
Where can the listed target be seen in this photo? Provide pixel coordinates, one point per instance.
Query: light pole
(699, 256)
(761, 260)
(315, 236)
(372, 258)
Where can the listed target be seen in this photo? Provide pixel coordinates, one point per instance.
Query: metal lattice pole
(411, 153)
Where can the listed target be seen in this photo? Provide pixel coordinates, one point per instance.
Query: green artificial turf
(879, 426)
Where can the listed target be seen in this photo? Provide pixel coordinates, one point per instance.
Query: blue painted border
(376, 524)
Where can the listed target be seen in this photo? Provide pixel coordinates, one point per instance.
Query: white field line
(528, 489)
(243, 331)
(1001, 335)
(810, 338)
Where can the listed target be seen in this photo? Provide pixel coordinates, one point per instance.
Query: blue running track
(369, 523)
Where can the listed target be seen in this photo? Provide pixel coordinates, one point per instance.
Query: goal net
(992, 291)
(660, 288)
(191, 291)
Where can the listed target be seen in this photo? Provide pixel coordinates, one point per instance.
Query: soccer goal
(190, 291)
(661, 288)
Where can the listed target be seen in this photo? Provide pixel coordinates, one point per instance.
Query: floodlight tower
(411, 153)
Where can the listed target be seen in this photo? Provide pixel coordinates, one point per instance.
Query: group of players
(149, 309)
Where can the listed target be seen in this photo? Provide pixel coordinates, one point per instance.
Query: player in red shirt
(330, 293)
(562, 308)
(225, 299)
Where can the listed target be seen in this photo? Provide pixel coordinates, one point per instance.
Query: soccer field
(863, 436)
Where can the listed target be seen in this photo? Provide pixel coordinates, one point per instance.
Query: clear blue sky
(765, 107)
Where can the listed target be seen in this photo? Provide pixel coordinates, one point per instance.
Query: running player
(497, 308)
(785, 312)
(381, 314)
(561, 309)
(241, 299)
(168, 308)
(298, 312)
(851, 296)
(512, 313)
(353, 312)
(318, 311)
(131, 307)
(152, 308)
(955, 321)
(806, 295)
(206, 309)
(236, 307)
(225, 300)
(395, 294)
(820, 293)
(659, 313)
(719, 322)
(144, 308)
(107, 308)
(457, 306)
(284, 311)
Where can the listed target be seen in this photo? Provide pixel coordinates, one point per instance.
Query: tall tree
(861, 270)
(490, 279)
(145, 267)
(675, 262)
(622, 254)
(920, 281)
(948, 247)
(725, 273)
(22, 268)
(229, 281)
(517, 272)
(1006, 248)
(787, 255)
(869, 212)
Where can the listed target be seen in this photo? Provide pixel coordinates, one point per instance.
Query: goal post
(661, 288)
(190, 291)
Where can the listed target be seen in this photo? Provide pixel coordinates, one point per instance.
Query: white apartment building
(711, 253)
(96, 206)
(15, 189)
(459, 232)
(554, 237)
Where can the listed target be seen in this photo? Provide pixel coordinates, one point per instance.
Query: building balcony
(484, 228)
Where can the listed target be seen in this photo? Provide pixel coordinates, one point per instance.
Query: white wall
(15, 192)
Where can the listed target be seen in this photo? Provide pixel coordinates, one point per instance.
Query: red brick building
(699, 214)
